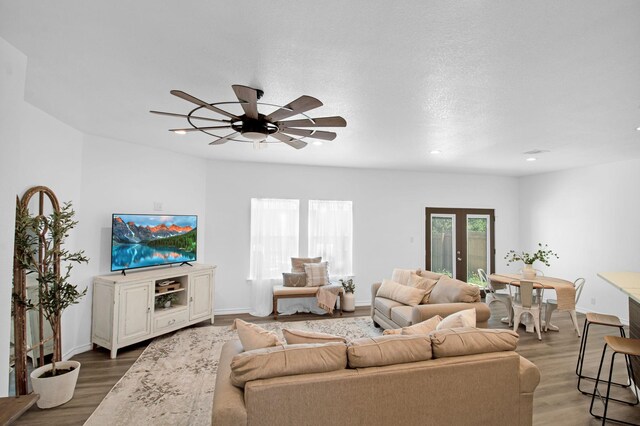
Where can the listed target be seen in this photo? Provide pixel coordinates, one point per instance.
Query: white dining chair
(552, 304)
(529, 301)
(492, 295)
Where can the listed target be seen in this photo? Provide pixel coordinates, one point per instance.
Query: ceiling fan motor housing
(256, 130)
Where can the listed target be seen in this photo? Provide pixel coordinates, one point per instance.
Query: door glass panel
(442, 244)
(478, 231)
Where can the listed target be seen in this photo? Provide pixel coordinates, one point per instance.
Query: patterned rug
(173, 381)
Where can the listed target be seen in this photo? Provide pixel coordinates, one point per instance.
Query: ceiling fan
(258, 128)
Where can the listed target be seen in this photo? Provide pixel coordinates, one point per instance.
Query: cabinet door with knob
(134, 311)
(200, 296)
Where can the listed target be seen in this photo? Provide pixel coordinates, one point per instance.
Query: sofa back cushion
(387, 350)
(449, 290)
(253, 336)
(297, 263)
(469, 341)
(401, 293)
(422, 283)
(402, 275)
(287, 360)
(293, 337)
(430, 275)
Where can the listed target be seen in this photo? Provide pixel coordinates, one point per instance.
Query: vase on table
(528, 272)
(349, 302)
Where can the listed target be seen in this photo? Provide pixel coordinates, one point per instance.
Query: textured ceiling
(481, 81)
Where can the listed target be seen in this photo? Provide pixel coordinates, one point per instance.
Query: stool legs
(607, 398)
(580, 363)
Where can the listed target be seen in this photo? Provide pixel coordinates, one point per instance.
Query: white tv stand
(124, 310)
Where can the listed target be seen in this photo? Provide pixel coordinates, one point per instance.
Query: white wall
(12, 80)
(388, 216)
(589, 217)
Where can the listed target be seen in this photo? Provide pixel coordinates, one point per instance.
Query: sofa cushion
(297, 263)
(317, 274)
(293, 336)
(294, 279)
(449, 290)
(385, 305)
(469, 341)
(253, 336)
(401, 293)
(401, 276)
(430, 275)
(422, 283)
(465, 318)
(387, 350)
(401, 315)
(424, 327)
(287, 361)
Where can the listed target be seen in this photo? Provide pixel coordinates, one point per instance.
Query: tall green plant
(40, 242)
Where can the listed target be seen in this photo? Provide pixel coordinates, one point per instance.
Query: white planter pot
(349, 302)
(56, 390)
(528, 272)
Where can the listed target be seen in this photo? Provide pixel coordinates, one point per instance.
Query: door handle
(459, 259)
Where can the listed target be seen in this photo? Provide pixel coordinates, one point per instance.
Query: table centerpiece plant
(544, 254)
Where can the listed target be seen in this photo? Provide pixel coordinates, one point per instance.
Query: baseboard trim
(229, 311)
(77, 350)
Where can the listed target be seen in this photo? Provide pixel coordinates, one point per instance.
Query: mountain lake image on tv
(139, 240)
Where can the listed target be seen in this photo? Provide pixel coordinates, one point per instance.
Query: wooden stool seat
(282, 292)
(623, 345)
(603, 319)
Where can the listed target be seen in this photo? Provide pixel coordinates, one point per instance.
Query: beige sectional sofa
(391, 314)
(448, 388)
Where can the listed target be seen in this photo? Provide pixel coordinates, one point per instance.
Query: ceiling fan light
(531, 159)
(254, 136)
(317, 143)
(180, 132)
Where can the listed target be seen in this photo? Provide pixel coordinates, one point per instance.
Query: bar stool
(597, 319)
(619, 345)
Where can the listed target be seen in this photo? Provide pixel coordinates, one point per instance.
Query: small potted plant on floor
(349, 298)
(40, 243)
(543, 255)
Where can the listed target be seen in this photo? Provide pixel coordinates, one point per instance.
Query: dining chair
(528, 300)
(552, 304)
(492, 295)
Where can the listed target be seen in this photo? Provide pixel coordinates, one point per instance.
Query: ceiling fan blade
(192, 129)
(193, 99)
(317, 134)
(224, 139)
(173, 114)
(302, 104)
(289, 141)
(317, 122)
(248, 98)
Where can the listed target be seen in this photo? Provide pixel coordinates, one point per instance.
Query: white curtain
(274, 240)
(331, 235)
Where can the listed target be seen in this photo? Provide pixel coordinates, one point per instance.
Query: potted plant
(40, 243)
(543, 255)
(165, 300)
(348, 298)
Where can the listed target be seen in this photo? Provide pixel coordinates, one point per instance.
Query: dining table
(565, 291)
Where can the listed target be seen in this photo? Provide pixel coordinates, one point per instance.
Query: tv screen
(141, 240)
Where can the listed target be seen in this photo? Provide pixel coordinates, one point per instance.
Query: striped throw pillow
(317, 274)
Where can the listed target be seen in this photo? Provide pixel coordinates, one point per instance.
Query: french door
(460, 241)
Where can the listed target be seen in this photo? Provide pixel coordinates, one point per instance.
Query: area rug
(173, 380)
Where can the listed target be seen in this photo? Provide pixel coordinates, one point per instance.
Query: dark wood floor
(556, 402)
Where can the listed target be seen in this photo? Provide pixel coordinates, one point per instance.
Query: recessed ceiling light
(180, 132)
(317, 143)
(435, 152)
(531, 159)
(638, 129)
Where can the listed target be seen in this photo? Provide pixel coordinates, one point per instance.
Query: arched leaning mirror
(32, 338)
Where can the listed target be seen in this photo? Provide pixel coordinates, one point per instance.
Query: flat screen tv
(141, 240)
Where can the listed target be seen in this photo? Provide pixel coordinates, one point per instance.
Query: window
(331, 234)
(274, 237)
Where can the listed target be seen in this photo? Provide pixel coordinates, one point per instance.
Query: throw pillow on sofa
(449, 290)
(424, 327)
(253, 336)
(297, 263)
(469, 341)
(401, 276)
(293, 337)
(288, 360)
(294, 279)
(466, 318)
(387, 350)
(430, 275)
(317, 274)
(401, 293)
(422, 283)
